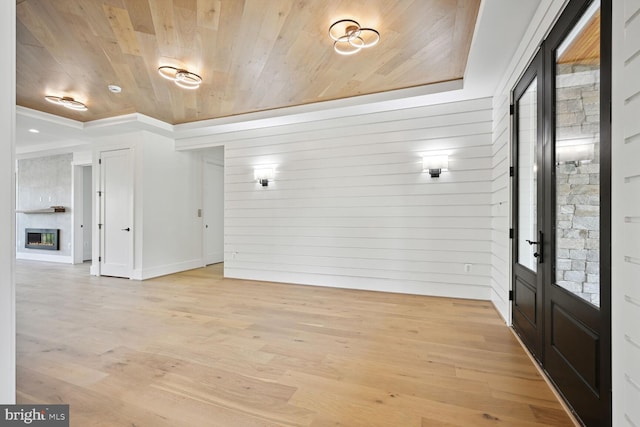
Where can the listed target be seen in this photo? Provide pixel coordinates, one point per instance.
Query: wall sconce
(435, 164)
(263, 176)
(577, 155)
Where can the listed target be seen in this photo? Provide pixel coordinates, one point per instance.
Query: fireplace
(42, 238)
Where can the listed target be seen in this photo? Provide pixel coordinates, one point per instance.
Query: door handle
(126, 229)
(540, 245)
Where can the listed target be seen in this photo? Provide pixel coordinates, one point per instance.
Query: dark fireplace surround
(42, 238)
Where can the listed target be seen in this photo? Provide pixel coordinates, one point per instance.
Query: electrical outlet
(467, 268)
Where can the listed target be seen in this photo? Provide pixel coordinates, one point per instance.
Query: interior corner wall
(7, 204)
(171, 196)
(500, 197)
(501, 154)
(625, 217)
(350, 205)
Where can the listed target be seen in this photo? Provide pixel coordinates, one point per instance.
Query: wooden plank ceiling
(253, 55)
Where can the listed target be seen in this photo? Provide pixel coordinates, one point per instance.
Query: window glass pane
(577, 154)
(527, 176)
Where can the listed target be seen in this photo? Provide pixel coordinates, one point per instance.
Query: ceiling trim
(197, 134)
(48, 117)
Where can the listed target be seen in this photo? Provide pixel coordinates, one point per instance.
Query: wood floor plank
(196, 349)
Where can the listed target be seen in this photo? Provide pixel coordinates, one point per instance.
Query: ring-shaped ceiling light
(183, 78)
(349, 37)
(66, 101)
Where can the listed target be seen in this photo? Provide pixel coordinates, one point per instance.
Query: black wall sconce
(435, 165)
(263, 176)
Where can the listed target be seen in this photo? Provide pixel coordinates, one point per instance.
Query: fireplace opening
(42, 238)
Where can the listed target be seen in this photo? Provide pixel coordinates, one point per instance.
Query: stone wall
(44, 182)
(578, 184)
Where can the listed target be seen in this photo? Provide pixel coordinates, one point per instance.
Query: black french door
(561, 148)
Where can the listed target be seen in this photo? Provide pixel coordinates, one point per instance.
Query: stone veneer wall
(578, 186)
(43, 182)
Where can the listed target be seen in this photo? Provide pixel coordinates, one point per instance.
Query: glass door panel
(527, 177)
(577, 168)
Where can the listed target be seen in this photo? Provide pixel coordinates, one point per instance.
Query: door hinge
(510, 295)
(99, 193)
(511, 233)
(99, 226)
(511, 171)
(512, 109)
(99, 161)
(99, 259)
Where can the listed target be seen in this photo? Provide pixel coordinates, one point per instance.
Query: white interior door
(116, 209)
(213, 188)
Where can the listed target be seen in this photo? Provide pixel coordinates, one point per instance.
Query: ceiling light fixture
(34, 131)
(66, 101)
(183, 78)
(114, 88)
(349, 37)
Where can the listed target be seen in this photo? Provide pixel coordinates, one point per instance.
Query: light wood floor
(194, 349)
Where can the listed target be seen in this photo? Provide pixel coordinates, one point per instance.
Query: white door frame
(77, 209)
(215, 162)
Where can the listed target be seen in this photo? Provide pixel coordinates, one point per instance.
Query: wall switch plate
(467, 268)
(199, 213)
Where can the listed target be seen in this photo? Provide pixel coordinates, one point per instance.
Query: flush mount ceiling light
(349, 37)
(183, 78)
(66, 101)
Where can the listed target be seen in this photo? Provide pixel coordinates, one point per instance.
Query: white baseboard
(44, 257)
(163, 270)
(94, 269)
(477, 292)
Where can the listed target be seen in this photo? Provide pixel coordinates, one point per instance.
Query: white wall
(171, 197)
(501, 152)
(351, 207)
(501, 194)
(7, 203)
(167, 194)
(626, 213)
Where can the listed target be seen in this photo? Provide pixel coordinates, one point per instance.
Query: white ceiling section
(500, 27)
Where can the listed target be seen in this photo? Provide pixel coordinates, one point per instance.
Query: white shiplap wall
(500, 196)
(351, 207)
(626, 214)
(501, 186)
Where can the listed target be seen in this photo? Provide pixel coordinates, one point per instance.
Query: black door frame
(595, 319)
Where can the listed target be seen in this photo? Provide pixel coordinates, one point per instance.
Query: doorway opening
(561, 262)
(82, 212)
(213, 205)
